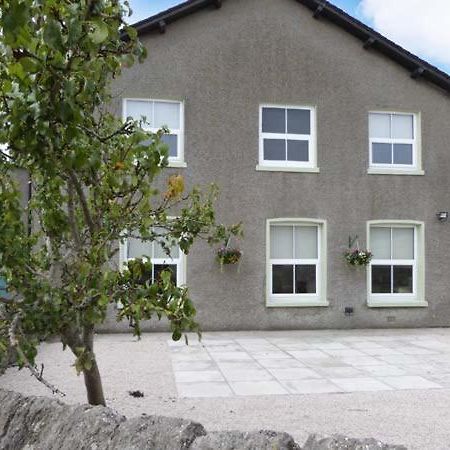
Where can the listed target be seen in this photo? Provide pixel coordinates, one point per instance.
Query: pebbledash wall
(223, 65)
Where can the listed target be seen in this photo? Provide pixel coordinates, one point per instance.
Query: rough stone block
(236, 440)
(339, 442)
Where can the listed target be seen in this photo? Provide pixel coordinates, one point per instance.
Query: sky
(420, 26)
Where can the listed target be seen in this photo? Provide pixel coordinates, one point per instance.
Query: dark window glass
(305, 279)
(275, 149)
(403, 279)
(299, 121)
(145, 277)
(274, 120)
(172, 141)
(297, 151)
(381, 153)
(403, 154)
(381, 279)
(282, 279)
(158, 268)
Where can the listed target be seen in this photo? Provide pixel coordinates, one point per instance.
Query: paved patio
(310, 363)
(409, 411)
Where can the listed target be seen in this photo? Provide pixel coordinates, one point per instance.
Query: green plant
(355, 256)
(92, 177)
(226, 255)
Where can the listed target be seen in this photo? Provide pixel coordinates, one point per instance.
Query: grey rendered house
(315, 128)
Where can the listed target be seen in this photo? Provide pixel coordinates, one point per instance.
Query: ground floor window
(296, 262)
(395, 274)
(134, 247)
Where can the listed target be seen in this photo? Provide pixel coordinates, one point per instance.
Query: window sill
(397, 303)
(264, 168)
(380, 171)
(177, 164)
(296, 304)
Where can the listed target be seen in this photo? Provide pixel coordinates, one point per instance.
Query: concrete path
(412, 366)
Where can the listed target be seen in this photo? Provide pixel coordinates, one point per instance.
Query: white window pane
(403, 243)
(281, 242)
(159, 250)
(161, 253)
(137, 109)
(305, 243)
(137, 248)
(379, 125)
(402, 126)
(380, 242)
(168, 114)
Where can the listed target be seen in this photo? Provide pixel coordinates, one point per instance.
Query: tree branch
(14, 341)
(72, 217)
(83, 201)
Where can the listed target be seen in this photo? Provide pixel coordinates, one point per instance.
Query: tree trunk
(93, 383)
(92, 378)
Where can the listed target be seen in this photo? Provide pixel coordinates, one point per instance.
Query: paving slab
(412, 412)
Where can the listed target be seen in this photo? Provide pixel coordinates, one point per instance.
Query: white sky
(421, 26)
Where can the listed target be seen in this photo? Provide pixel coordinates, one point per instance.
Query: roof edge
(160, 20)
(417, 67)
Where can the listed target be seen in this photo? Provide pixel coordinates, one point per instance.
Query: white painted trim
(268, 168)
(177, 164)
(396, 304)
(398, 169)
(288, 166)
(295, 304)
(300, 300)
(386, 171)
(173, 161)
(417, 298)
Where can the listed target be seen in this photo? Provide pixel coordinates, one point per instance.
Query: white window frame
(299, 300)
(398, 300)
(173, 161)
(180, 262)
(398, 169)
(289, 166)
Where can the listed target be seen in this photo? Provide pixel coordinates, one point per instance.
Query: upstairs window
(393, 141)
(287, 137)
(159, 113)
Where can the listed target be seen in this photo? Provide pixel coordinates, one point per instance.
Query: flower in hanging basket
(227, 255)
(358, 257)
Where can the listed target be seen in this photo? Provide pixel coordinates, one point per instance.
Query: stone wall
(38, 423)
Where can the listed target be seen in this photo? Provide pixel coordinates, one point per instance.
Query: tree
(92, 180)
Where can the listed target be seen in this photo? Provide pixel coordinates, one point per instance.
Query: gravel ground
(418, 419)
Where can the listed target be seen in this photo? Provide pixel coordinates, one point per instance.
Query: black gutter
(417, 67)
(159, 21)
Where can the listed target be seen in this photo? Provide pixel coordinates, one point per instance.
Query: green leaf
(99, 32)
(176, 335)
(52, 35)
(29, 64)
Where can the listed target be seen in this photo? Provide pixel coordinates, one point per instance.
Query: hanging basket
(227, 255)
(356, 256)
